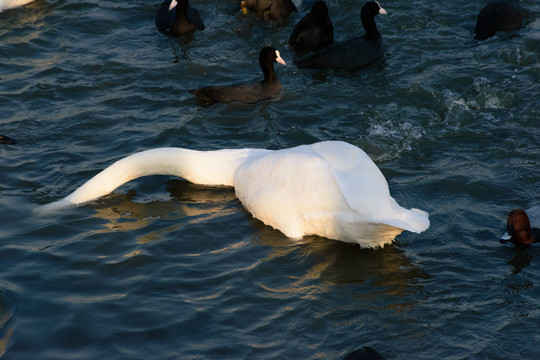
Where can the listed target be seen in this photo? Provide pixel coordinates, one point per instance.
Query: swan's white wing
(359, 179)
(365, 188)
(286, 187)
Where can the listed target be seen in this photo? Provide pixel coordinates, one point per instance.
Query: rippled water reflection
(166, 269)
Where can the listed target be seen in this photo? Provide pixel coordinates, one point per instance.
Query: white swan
(8, 4)
(331, 189)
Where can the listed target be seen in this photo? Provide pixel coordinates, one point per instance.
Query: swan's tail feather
(413, 220)
(419, 221)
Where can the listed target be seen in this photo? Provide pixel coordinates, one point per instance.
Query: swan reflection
(385, 276)
(188, 204)
(381, 273)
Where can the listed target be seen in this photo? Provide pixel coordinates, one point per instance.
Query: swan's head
(518, 228)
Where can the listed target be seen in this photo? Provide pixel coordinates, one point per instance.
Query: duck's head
(518, 228)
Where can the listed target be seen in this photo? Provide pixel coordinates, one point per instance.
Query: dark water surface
(163, 269)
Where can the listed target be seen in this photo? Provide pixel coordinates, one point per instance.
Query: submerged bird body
(7, 140)
(248, 93)
(353, 53)
(176, 18)
(365, 353)
(330, 189)
(499, 15)
(314, 31)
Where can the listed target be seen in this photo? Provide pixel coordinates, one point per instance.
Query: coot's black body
(314, 31)
(499, 15)
(365, 353)
(353, 53)
(176, 18)
(247, 92)
(270, 9)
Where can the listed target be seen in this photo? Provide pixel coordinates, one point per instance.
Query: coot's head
(372, 8)
(270, 54)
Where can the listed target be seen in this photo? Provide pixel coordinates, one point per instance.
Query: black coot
(365, 353)
(269, 9)
(499, 15)
(353, 53)
(314, 31)
(247, 92)
(176, 17)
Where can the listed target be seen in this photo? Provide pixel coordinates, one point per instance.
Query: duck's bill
(505, 238)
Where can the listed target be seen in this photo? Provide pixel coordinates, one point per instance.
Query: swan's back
(286, 186)
(331, 189)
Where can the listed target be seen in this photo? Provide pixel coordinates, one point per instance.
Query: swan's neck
(6, 4)
(199, 167)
